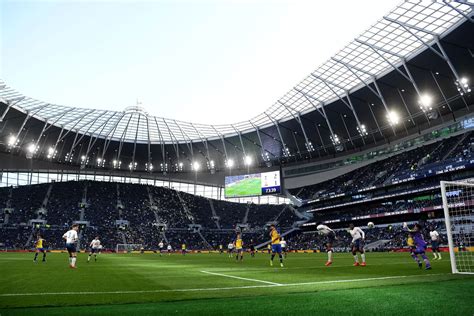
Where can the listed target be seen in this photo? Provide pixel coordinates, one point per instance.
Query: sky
(209, 61)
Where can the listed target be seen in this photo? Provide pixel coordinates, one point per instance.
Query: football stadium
(236, 158)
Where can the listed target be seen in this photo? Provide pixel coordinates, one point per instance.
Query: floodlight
(362, 129)
(11, 141)
(309, 146)
(248, 160)
(463, 85)
(426, 102)
(335, 139)
(51, 153)
(229, 163)
(31, 148)
(393, 117)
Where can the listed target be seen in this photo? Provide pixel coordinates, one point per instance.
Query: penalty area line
(240, 278)
(220, 288)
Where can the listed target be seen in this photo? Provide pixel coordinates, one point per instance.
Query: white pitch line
(240, 278)
(357, 280)
(216, 288)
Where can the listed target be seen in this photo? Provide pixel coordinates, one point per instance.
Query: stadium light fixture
(335, 140)
(393, 118)
(68, 157)
(426, 102)
(51, 153)
(462, 85)
(116, 164)
(12, 141)
(149, 167)
(132, 166)
(229, 163)
(31, 148)
(309, 146)
(248, 160)
(195, 166)
(265, 156)
(100, 162)
(210, 164)
(362, 129)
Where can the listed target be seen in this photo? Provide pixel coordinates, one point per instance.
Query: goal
(458, 205)
(126, 248)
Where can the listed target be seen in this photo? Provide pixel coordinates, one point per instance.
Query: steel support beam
(442, 54)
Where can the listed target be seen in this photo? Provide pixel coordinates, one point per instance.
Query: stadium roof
(410, 28)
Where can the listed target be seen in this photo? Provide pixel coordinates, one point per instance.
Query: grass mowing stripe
(222, 288)
(240, 278)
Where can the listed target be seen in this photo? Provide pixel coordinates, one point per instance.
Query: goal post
(126, 248)
(458, 205)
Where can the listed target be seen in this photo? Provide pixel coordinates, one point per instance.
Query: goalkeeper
(420, 245)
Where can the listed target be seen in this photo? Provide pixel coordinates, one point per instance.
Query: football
(370, 225)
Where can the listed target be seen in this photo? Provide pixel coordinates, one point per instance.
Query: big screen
(254, 184)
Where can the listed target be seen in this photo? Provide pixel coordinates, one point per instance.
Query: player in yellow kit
(276, 247)
(411, 243)
(39, 247)
(239, 244)
(183, 249)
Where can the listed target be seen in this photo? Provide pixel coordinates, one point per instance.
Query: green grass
(149, 284)
(246, 187)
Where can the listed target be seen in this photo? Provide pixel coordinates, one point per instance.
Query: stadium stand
(125, 213)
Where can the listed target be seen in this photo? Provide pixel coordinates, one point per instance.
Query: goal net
(458, 204)
(126, 248)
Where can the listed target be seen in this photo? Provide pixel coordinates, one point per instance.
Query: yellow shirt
(275, 237)
(410, 242)
(238, 243)
(183, 247)
(39, 243)
(269, 247)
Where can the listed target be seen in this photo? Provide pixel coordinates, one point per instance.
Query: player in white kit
(169, 248)
(330, 237)
(230, 249)
(284, 247)
(358, 237)
(94, 249)
(434, 236)
(71, 244)
(160, 246)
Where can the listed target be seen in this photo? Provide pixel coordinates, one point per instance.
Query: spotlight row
(425, 103)
(31, 149)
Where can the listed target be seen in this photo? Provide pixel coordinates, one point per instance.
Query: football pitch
(147, 284)
(246, 187)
